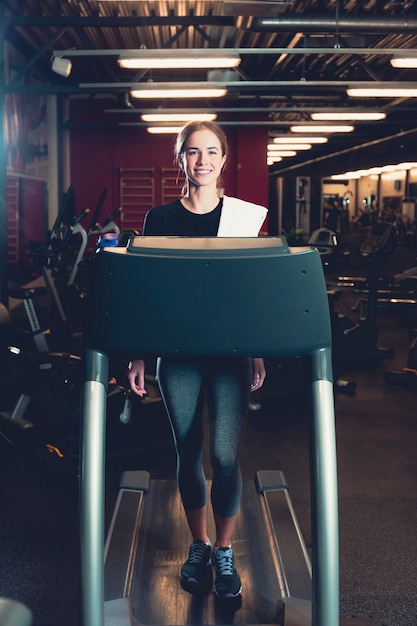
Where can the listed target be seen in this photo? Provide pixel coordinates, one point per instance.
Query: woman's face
(202, 159)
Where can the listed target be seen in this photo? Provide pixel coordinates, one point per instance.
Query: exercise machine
(133, 578)
(407, 376)
(43, 386)
(208, 312)
(325, 240)
(49, 256)
(360, 340)
(66, 267)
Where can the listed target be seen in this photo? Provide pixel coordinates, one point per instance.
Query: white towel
(240, 218)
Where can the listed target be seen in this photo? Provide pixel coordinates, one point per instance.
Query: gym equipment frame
(209, 296)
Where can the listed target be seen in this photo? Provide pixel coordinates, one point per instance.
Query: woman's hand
(136, 377)
(258, 374)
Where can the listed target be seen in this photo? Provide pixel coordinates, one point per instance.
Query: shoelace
(224, 562)
(198, 552)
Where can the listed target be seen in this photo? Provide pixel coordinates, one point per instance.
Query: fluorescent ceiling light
(162, 130)
(304, 128)
(337, 117)
(287, 138)
(284, 153)
(189, 92)
(374, 171)
(382, 92)
(178, 117)
(178, 59)
(272, 160)
(289, 146)
(404, 62)
(346, 176)
(407, 166)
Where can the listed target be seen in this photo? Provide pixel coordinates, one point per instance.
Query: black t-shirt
(174, 219)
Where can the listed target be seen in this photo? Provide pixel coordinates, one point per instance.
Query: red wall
(97, 154)
(32, 216)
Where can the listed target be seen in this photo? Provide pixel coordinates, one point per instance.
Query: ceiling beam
(259, 86)
(249, 51)
(245, 109)
(267, 85)
(131, 21)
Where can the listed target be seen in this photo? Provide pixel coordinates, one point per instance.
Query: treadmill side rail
(293, 561)
(121, 544)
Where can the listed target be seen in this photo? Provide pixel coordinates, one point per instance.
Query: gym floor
(377, 465)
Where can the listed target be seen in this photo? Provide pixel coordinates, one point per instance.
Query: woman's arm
(258, 373)
(136, 377)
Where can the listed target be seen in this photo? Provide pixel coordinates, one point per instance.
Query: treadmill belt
(156, 594)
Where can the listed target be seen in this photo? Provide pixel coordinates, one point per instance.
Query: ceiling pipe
(308, 23)
(329, 24)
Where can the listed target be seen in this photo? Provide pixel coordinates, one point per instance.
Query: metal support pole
(4, 277)
(325, 524)
(93, 404)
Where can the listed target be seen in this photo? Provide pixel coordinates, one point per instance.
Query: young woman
(201, 152)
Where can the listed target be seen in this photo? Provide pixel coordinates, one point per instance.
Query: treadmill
(210, 296)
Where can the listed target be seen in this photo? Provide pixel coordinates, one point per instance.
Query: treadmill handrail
(253, 297)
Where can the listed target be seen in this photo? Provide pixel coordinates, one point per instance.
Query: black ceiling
(297, 57)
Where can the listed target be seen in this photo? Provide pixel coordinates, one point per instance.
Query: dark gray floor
(377, 464)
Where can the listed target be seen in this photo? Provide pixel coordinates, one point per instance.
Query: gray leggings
(226, 383)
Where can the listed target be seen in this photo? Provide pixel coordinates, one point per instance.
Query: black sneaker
(227, 582)
(196, 574)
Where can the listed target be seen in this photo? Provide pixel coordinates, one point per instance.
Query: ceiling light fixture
(287, 138)
(178, 117)
(374, 171)
(404, 62)
(272, 160)
(282, 153)
(345, 176)
(304, 128)
(180, 92)
(407, 165)
(178, 59)
(382, 92)
(370, 116)
(289, 146)
(164, 130)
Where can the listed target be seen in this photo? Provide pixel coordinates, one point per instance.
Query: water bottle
(107, 240)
